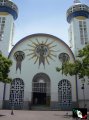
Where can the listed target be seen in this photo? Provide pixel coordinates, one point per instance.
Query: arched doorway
(65, 94)
(16, 93)
(41, 89)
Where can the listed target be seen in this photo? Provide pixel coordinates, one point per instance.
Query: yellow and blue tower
(78, 18)
(8, 13)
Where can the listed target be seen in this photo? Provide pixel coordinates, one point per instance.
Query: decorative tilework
(17, 93)
(64, 93)
(19, 57)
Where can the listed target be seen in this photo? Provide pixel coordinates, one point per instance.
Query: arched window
(64, 93)
(17, 93)
(41, 83)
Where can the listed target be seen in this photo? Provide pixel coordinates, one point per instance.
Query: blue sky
(42, 16)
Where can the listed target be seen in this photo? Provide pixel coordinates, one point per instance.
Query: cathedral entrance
(41, 90)
(39, 98)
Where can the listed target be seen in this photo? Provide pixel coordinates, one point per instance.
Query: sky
(42, 16)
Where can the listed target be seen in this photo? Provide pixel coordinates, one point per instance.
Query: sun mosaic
(41, 51)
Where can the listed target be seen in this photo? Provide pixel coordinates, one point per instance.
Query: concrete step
(40, 107)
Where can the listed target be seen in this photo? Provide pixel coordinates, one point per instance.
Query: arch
(41, 89)
(17, 93)
(64, 94)
(41, 75)
(40, 34)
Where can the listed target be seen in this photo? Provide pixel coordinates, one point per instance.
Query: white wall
(5, 44)
(76, 41)
(77, 46)
(7, 92)
(29, 69)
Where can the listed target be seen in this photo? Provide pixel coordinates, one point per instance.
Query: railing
(9, 4)
(77, 8)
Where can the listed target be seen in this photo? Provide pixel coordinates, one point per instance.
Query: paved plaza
(35, 115)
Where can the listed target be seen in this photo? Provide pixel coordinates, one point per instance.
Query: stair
(40, 108)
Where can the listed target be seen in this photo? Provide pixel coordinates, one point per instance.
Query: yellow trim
(81, 17)
(3, 13)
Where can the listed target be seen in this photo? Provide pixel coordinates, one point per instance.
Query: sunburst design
(42, 51)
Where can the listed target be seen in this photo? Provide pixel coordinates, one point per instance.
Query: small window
(64, 57)
(86, 40)
(3, 18)
(19, 57)
(1, 36)
(82, 41)
(1, 1)
(3, 21)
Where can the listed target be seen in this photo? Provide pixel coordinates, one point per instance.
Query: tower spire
(77, 1)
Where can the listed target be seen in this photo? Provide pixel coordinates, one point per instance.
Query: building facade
(35, 58)
(78, 18)
(8, 13)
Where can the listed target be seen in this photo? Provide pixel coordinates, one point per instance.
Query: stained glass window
(17, 93)
(64, 93)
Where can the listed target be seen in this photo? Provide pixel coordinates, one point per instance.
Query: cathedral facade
(35, 81)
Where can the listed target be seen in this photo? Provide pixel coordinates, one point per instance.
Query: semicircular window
(64, 57)
(64, 94)
(16, 93)
(19, 57)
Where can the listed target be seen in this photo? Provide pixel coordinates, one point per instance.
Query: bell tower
(8, 13)
(78, 18)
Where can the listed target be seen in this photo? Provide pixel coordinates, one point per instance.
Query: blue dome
(9, 7)
(77, 10)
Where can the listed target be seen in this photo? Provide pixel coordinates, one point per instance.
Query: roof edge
(37, 34)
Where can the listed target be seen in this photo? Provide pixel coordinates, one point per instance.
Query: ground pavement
(35, 115)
